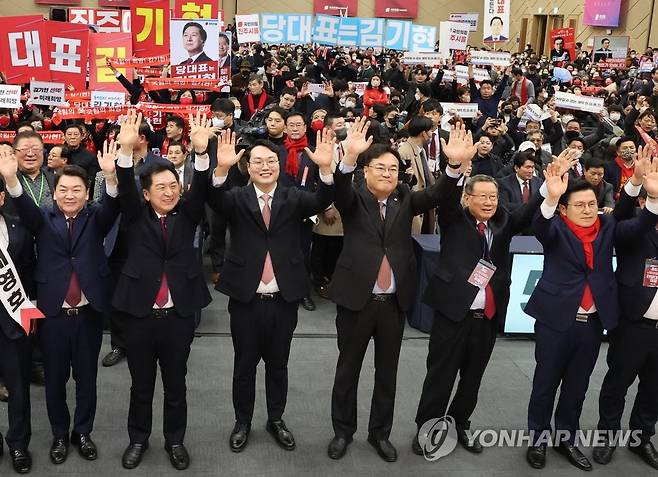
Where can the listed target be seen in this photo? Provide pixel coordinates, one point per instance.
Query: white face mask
(217, 123)
(578, 154)
(237, 113)
(350, 104)
(615, 116)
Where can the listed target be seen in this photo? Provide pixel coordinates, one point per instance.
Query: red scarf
(586, 235)
(626, 173)
(294, 148)
(524, 90)
(261, 103)
(165, 145)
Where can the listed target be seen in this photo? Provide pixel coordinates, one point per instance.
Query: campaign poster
(195, 46)
(495, 26)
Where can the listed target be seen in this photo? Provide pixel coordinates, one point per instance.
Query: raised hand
(328, 88)
(459, 148)
(556, 182)
(566, 160)
(108, 156)
(641, 164)
(129, 132)
(324, 149)
(650, 182)
(8, 163)
(200, 131)
(356, 141)
(226, 155)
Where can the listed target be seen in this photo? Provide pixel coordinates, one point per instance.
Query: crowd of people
(299, 180)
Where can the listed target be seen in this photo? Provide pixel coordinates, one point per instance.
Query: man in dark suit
(594, 172)
(469, 293)
(264, 274)
(73, 290)
(574, 301)
(194, 39)
(374, 287)
(161, 287)
(516, 189)
(14, 344)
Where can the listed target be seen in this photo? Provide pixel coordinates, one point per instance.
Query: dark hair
(74, 171)
(223, 105)
(580, 139)
(25, 124)
(277, 109)
(522, 157)
(418, 125)
(381, 81)
(425, 89)
(292, 114)
(202, 31)
(486, 81)
(177, 120)
(255, 77)
(577, 185)
(288, 90)
(155, 167)
(492, 20)
(622, 140)
(145, 130)
(378, 150)
(604, 40)
(432, 105)
(559, 38)
(262, 142)
(517, 71)
(594, 162)
(26, 135)
(177, 143)
(2, 184)
(65, 152)
(71, 126)
(329, 118)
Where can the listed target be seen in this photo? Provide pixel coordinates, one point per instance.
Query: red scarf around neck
(626, 173)
(261, 102)
(294, 148)
(524, 90)
(587, 236)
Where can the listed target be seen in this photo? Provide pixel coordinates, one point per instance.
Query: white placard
(316, 88)
(10, 96)
(107, 98)
(248, 27)
(431, 59)
(479, 74)
(463, 110)
(360, 87)
(494, 58)
(452, 36)
(533, 112)
(495, 27)
(45, 93)
(470, 18)
(592, 104)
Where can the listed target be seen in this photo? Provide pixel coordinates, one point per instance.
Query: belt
(585, 317)
(382, 296)
(268, 296)
(650, 322)
(477, 314)
(74, 311)
(163, 312)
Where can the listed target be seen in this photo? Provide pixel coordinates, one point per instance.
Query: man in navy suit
(73, 290)
(516, 189)
(574, 301)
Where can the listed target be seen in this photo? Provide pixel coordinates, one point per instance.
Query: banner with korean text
(101, 47)
(150, 27)
(193, 9)
(496, 21)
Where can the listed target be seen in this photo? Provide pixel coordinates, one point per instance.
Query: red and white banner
(155, 84)
(108, 20)
(150, 27)
(13, 296)
(68, 53)
(108, 45)
(159, 60)
(22, 48)
(192, 9)
(48, 137)
(396, 8)
(248, 28)
(88, 113)
(78, 96)
(346, 8)
(180, 109)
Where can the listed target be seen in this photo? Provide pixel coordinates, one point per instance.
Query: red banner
(88, 113)
(114, 3)
(335, 7)
(180, 109)
(150, 27)
(396, 8)
(78, 96)
(149, 72)
(23, 51)
(49, 137)
(191, 9)
(107, 45)
(108, 20)
(154, 84)
(68, 53)
(140, 62)
(567, 50)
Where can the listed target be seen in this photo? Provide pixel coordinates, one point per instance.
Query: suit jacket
(149, 257)
(605, 195)
(312, 178)
(510, 191)
(415, 159)
(490, 38)
(58, 255)
(202, 58)
(251, 240)
(559, 292)
(448, 290)
(367, 238)
(21, 251)
(10, 209)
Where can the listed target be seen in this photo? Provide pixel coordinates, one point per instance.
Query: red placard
(191, 9)
(396, 8)
(107, 45)
(150, 27)
(335, 7)
(68, 46)
(57, 2)
(568, 36)
(23, 49)
(114, 3)
(106, 20)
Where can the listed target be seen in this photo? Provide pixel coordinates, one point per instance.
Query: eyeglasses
(484, 197)
(259, 164)
(393, 170)
(30, 150)
(580, 206)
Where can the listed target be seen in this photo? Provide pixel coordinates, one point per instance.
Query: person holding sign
(73, 291)
(576, 299)
(485, 96)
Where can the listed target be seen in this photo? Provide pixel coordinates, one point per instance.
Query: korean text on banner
(496, 21)
(248, 28)
(493, 58)
(430, 59)
(150, 27)
(590, 104)
(565, 40)
(463, 110)
(191, 55)
(68, 55)
(13, 296)
(452, 36)
(193, 9)
(336, 7)
(460, 73)
(601, 13)
(470, 18)
(108, 45)
(46, 93)
(107, 98)
(107, 20)
(10, 96)
(396, 8)
(23, 49)
(294, 29)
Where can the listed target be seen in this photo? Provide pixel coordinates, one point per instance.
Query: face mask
(394, 119)
(395, 102)
(4, 121)
(237, 113)
(341, 134)
(350, 104)
(244, 73)
(507, 110)
(375, 84)
(186, 100)
(99, 127)
(317, 125)
(578, 154)
(627, 154)
(341, 101)
(218, 123)
(615, 116)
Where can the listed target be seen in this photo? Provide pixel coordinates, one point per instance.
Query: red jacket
(371, 97)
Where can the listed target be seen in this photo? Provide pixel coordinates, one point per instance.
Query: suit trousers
(261, 329)
(462, 347)
(632, 352)
(565, 359)
(325, 250)
(15, 368)
(71, 343)
(217, 238)
(165, 340)
(383, 321)
(119, 322)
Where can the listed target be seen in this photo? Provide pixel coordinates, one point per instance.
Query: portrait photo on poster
(193, 41)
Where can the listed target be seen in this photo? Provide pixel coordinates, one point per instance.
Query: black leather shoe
(536, 456)
(132, 456)
(239, 437)
(415, 446)
(59, 450)
(281, 434)
(86, 447)
(338, 447)
(648, 453)
(384, 448)
(308, 304)
(113, 357)
(178, 456)
(573, 455)
(21, 460)
(603, 454)
(475, 447)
